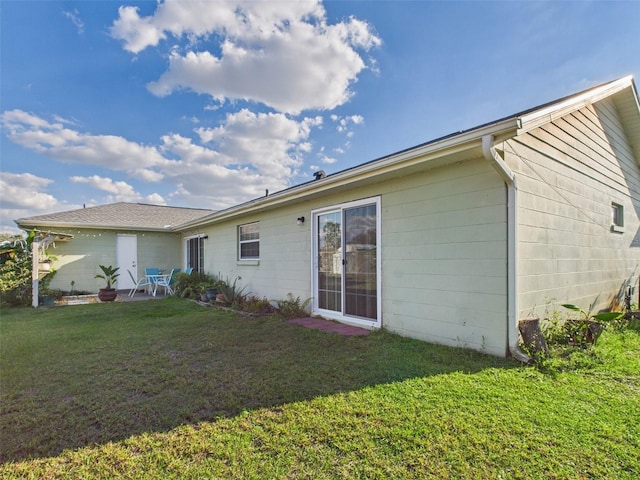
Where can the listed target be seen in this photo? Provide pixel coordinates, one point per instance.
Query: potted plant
(203, 295)
(47, 296)
(588, 329)
(210, 291)
(109, 274)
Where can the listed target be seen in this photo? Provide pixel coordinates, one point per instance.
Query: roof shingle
(118, 215)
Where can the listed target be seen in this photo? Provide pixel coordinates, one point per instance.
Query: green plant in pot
(211, 291)
(109, 275)
(588, 329)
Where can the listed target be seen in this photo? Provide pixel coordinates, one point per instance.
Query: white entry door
(127, 258)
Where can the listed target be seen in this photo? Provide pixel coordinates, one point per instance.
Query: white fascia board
(537, 118)
(29, 226)
(421, 154)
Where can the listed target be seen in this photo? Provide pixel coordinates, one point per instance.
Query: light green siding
(444, 257)
(77, 260)
(443, 253)
(569, 172)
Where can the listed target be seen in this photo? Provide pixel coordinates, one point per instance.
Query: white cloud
(248, 153)
(74, 16)
(23, 194)
(189, 153)
(343, 122)
(243, 157)
(200, 18)
(118, 191)
(146, 175)
(327, 160)
(60, 119)
(24, 190)
(155, 199)
(281, 54)
(271, 143)
(121, 190)
(70, 146)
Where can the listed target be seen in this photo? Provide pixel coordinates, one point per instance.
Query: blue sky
(207, 104)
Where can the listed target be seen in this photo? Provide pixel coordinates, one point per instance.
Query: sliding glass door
(329, 261)
(347, 261)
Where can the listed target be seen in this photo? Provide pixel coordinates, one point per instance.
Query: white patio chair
(165, 281)
(140, 282)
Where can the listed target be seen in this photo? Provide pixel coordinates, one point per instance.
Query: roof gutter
(491, 155)
(95, 226)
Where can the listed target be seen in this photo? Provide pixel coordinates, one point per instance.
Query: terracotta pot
(107, 294)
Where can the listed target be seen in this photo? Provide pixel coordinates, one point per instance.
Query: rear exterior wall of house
(78, 259)
(443, 236)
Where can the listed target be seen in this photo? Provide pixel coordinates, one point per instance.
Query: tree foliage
(15, 270)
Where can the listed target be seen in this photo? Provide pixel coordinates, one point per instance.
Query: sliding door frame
(340, 315)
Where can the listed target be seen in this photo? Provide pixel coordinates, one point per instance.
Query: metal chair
(174, 272)
(165, 281)
(152, 275)
(140, 282)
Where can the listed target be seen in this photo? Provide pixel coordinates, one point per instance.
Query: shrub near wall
(192, 285)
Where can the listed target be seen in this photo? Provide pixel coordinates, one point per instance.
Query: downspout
(490, 154)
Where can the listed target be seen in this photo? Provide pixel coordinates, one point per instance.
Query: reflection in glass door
(346, 261)
(329, 259)
(360, 262)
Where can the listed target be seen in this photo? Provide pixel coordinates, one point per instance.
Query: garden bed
(77, 299)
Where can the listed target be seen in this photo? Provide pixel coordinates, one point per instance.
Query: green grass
(168, 389)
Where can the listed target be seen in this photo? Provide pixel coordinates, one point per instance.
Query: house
(454, 240)
(127, 235)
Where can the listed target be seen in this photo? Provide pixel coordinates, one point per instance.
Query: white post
(35, 251)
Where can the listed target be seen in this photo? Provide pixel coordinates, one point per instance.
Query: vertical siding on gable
(569, 172)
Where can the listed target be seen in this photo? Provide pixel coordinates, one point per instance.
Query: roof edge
(425, 152)
(555, 110)
(36, 225)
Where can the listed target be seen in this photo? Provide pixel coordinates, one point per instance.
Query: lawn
(169, 389)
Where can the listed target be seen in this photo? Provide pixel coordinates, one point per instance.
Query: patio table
(153, 275)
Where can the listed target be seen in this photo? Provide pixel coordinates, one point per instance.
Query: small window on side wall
(617, 217)
(249, 241)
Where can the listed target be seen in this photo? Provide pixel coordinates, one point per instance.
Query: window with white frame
(617, 216)
(249, 241)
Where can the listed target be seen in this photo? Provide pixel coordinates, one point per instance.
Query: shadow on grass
(76, 376)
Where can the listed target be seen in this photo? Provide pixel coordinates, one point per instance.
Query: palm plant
(109, 274)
